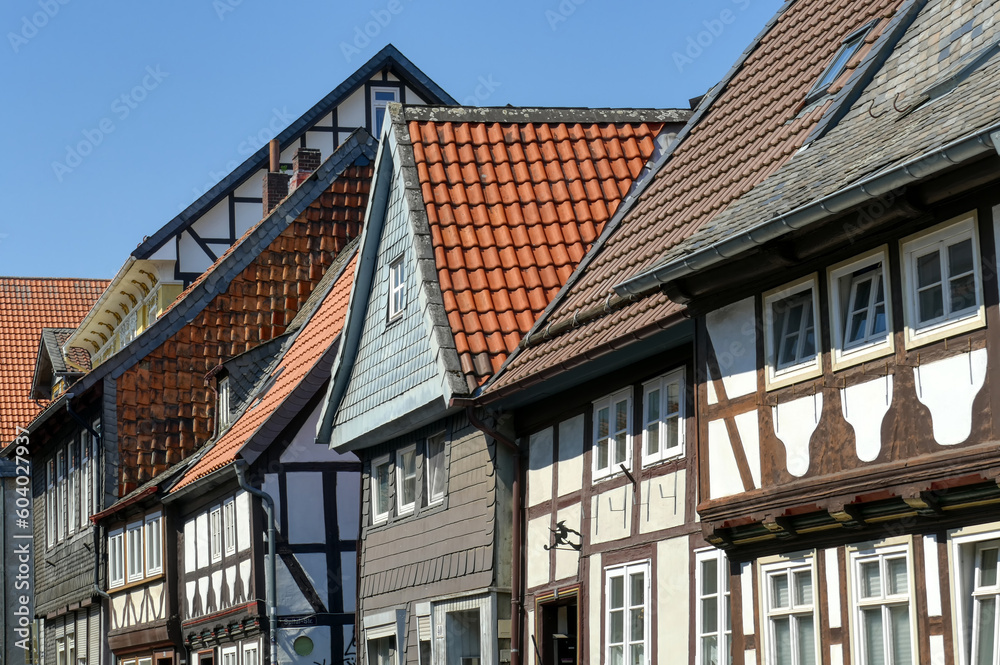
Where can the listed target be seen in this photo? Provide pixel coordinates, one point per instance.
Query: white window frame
(432, 497)
(723, 593)
(152, 546)
(381, 634)
(134, 571)
(229, 525)
(61, 466)
(625, 571)
(72, 485)
(223, 407)
(50, 502)
(406, 508)
(884, 601)
(849, 47)
(86, 493)
(841, 288)
(380, 513)
(793, 612)
(610, 402)
(233, 651)
(966, 583)
(215, 533)
(251, 647)
(662, 383)
(116, 558)
(381, 104)
(951, 232)
(805, 368)
(397, 287)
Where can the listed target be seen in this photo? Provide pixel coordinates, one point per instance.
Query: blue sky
(166, 92)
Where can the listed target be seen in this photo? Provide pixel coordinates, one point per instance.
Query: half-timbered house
(846, 314)
(602, 391)
(478, 216)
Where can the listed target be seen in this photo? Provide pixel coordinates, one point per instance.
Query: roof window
(850, 46)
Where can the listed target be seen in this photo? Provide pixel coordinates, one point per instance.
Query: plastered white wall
(662, 500)
(734, 337)
(571, 447)
(612, 511)
(794, 424)
(540, 467)
(568, 559)
(749, 429)
(948, 387)
(538, 559)
(723, 473)
(864, 406)
(306, 508)
(672, 589)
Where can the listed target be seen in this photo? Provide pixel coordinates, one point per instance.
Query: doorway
(557, 640)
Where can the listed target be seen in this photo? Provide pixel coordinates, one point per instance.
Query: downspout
(269, 570)
(515, 559)
(97, 590)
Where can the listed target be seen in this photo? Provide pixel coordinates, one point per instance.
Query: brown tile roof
(165, 409)
(26, 306)
(750, 128)
(513, 205)
(308, 347)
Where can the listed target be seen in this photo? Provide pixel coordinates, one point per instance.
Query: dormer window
(792, 343)
(850, 46)
(861, 313)
(397, 288)
(223, 403)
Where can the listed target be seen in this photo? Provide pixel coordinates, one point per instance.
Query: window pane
(899, 618)
(710, 650)
(782, 642)
(673, 432)
(408, 463)
(617, 626)
(874, 643)
(931, 304)
(809, 344)
(807, 640)
(788, 350)
(803, 588)
(620, 448)
(653, 438)
(637, 654)
(896, 572)
(858, 327)
(674, 397)
(602, 454)
(710, 615)
(602, 423)
(621, 416)
(988, 567)
(709, 577)
(637, 591)
(435, 467)
(615, 655)
(653, 405)
(616, 593)
(960, 257)
(637, 624)
(382, 480)
(986, 610)
(870, 580)
(879, 324)
(779, 591)
(963, 293)
(862, 293)
(928, 269)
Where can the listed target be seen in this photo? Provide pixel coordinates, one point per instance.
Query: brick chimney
(305, 161)
(275, 183)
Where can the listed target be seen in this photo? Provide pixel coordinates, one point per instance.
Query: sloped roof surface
(940, 40)
(308, 347)
(27, 305)
(748, 129)
(514, 199)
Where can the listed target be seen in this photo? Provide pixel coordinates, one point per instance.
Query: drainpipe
(97, 590)
(269, 569)
(515, 559)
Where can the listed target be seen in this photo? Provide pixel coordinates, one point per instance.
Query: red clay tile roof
(306, 350)
(514, 206)
(165, 409)
(751, 128)
(26, 306)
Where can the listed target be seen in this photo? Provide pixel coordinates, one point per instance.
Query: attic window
(850, 46)
(397, 288)
(223, 403)
(381, 97)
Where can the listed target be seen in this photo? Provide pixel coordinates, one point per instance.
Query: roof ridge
(541, 114)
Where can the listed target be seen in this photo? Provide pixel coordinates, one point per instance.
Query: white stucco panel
(571, 447)
(794, 424)
(290, 599)
(203, 594)
(320, 636)
(713, 398)
(734, 337)
(217, 589)
(662, 504)
(672, 592)
(201, 540)
(864, 407)
(190, 563)
(242, 521)
(568, 559)
(749, 428)
(612, 515)
(540, 467)
(190, 593)
(118, 604)
(832, 565)
(306, 518)
(746, 594)
(948, 387)
(538, 558)
(723, 472)
(245, 579)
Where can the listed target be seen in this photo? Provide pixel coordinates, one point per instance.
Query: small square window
(663, 418)
(434, 469)
(790, 333)
(397, 287)
(380, 489)
(860, 309)
(943, 280)
(406, 479)
(612, 423)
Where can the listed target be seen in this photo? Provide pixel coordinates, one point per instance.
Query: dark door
(557, 635)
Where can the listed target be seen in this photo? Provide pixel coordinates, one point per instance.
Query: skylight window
(851, 45)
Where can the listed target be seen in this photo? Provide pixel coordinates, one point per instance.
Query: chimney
(275, 182)
(305, 161)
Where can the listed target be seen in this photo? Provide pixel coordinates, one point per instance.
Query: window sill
(138, 583)
(862, 354)
(945, 329)
(794, 374)
(663, 461)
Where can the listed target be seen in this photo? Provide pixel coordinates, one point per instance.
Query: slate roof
(303, 368)
(743, 131)
(514, 199)
(943, 38)
(387, 58)
(27, 306)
